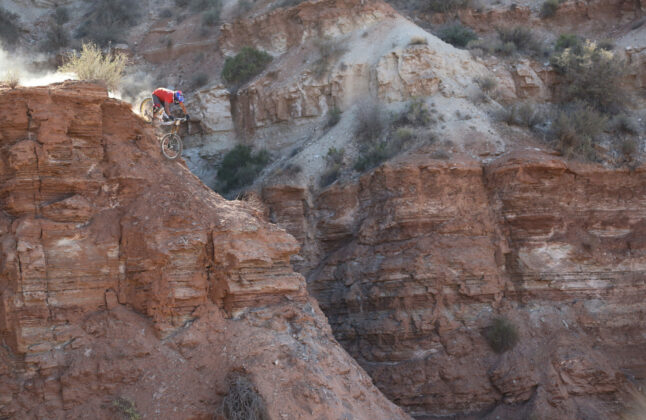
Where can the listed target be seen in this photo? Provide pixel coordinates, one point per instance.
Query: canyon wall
(412, 262)
(124, 280)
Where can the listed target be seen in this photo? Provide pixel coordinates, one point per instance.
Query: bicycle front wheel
(171, 146)
(146, 109)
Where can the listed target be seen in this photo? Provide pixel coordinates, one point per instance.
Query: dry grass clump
(126, 408)
(243, 402)
(91, 64)
(11, 79)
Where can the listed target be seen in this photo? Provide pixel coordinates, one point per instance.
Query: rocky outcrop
(416, 259)
(122, 277)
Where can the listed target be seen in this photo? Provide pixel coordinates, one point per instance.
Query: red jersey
(165, 95)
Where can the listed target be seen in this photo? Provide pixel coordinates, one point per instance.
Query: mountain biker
(165, 97)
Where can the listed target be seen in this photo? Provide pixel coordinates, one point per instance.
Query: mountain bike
(171, 142)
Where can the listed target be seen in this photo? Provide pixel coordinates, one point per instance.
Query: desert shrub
(372, 156)
(206, 5)
(126, 408)
(501, 335)
(565, 41)
(606, 45)
(240, 167)
(524, 114)
(624, 124)
(329, 50)
(523, 39)
(445, 6)
(592, 75)
(247, 64)
(92, 64)
(457, 35)
(403, 135)
(9, 29)
(629, 147)
(11, 79)
(418, 40)
(487, 84)
(243, 402)
(333, 163)
(211, 17)
(107, 21)
(415, 114)
(370, 123)
(549, 8)
(333, 117)
(198, 80)
(166, 13)
(577, 127)
(61, 15)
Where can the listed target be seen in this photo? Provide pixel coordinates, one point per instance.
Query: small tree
(91, 64)
(247, 64)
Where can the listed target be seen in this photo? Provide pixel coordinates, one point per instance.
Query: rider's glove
(188, 118)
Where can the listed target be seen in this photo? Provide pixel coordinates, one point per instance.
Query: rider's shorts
(157, 102)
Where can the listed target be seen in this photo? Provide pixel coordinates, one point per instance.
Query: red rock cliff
(122, 277)
(412, 262)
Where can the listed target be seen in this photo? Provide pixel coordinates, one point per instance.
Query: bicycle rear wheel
(171, 146)
(146, 109)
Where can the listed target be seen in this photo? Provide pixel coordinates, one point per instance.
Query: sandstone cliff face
(120, 274)
(412, 262)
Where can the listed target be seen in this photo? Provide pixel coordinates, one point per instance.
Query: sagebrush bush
(107, 21)
(592, 75)
(333, 117)
(568, 41)
(373, 155)
(247, 64)
(624, 124)
(126, 408)
(577, 128)
(457, 35)
(523, 114)
(243, 402)
(549, 8)
(501, 335)
(370, 122)
(91, 64)
(416, 114)
(211, 18)
(333, 163)
(445, 6)
(523, 39)
(9, 29)
(487, 84)
(240, 167)
(329, 50)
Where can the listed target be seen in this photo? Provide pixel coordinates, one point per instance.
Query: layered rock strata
(124, 278)
(413, 262)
